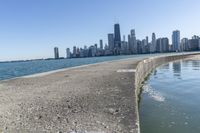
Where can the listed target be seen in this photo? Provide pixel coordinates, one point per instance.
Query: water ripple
(157, 96)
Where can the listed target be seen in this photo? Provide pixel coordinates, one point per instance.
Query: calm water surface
(170, 102)
(17, 69)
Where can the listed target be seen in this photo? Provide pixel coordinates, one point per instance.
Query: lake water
(17, 69)
(170, 101)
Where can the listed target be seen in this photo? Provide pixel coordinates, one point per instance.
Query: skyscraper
(184, 44)
(56, 53)
(159, 45)
(68, 53)
(147, 40)
(153, 43)
(132, 42)
(95, 49)
(101, 44)
(124, 46)
(194, 44)
(176, 40)
(74, 51)
(165, 44)
(139, 47)
(111, 41)
(147, 49)
(129, 44)
(117, 38)
(143, 45)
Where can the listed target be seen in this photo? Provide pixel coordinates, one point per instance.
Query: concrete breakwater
(99, 98)
(145, 67)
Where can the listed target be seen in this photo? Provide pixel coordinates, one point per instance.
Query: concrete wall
(145, 67)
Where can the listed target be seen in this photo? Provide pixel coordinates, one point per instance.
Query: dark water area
(170, 101)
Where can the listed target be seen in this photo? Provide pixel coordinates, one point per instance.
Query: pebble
(113, 111)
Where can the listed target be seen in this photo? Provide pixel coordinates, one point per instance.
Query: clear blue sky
(31, 28)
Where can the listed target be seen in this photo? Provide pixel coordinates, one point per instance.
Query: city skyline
(117, 46)
(30, 30)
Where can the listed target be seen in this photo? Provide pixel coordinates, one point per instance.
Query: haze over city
(31, 29)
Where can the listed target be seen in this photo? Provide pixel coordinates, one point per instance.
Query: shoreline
(80, 66)
(101, 97)
(68, 68)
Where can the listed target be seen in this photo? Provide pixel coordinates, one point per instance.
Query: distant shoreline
(61, 58)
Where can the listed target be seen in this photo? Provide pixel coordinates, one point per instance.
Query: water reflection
(166, 66)
(186, 63)
(155, 73)
(177, 66)
(177, 69)
(170, 98)
(196, 65)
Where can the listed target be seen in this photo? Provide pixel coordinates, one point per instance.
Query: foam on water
(157, 96)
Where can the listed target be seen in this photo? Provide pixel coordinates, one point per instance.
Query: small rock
(98, 122)
(38, 117)
(74, 111)
(105, 126)
(67, 120)
(69, 107)
(113, 111)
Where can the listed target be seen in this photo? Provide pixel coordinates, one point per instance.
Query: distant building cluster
(118, 46)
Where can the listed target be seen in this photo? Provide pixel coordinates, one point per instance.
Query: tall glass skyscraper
(117, 37)
(111, 41)
(56, 53)
(132, 42)
(101, 44)
(176, 40)
(153, 43)
(68, 53)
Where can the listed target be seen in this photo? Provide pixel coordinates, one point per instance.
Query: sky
(30, 29)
